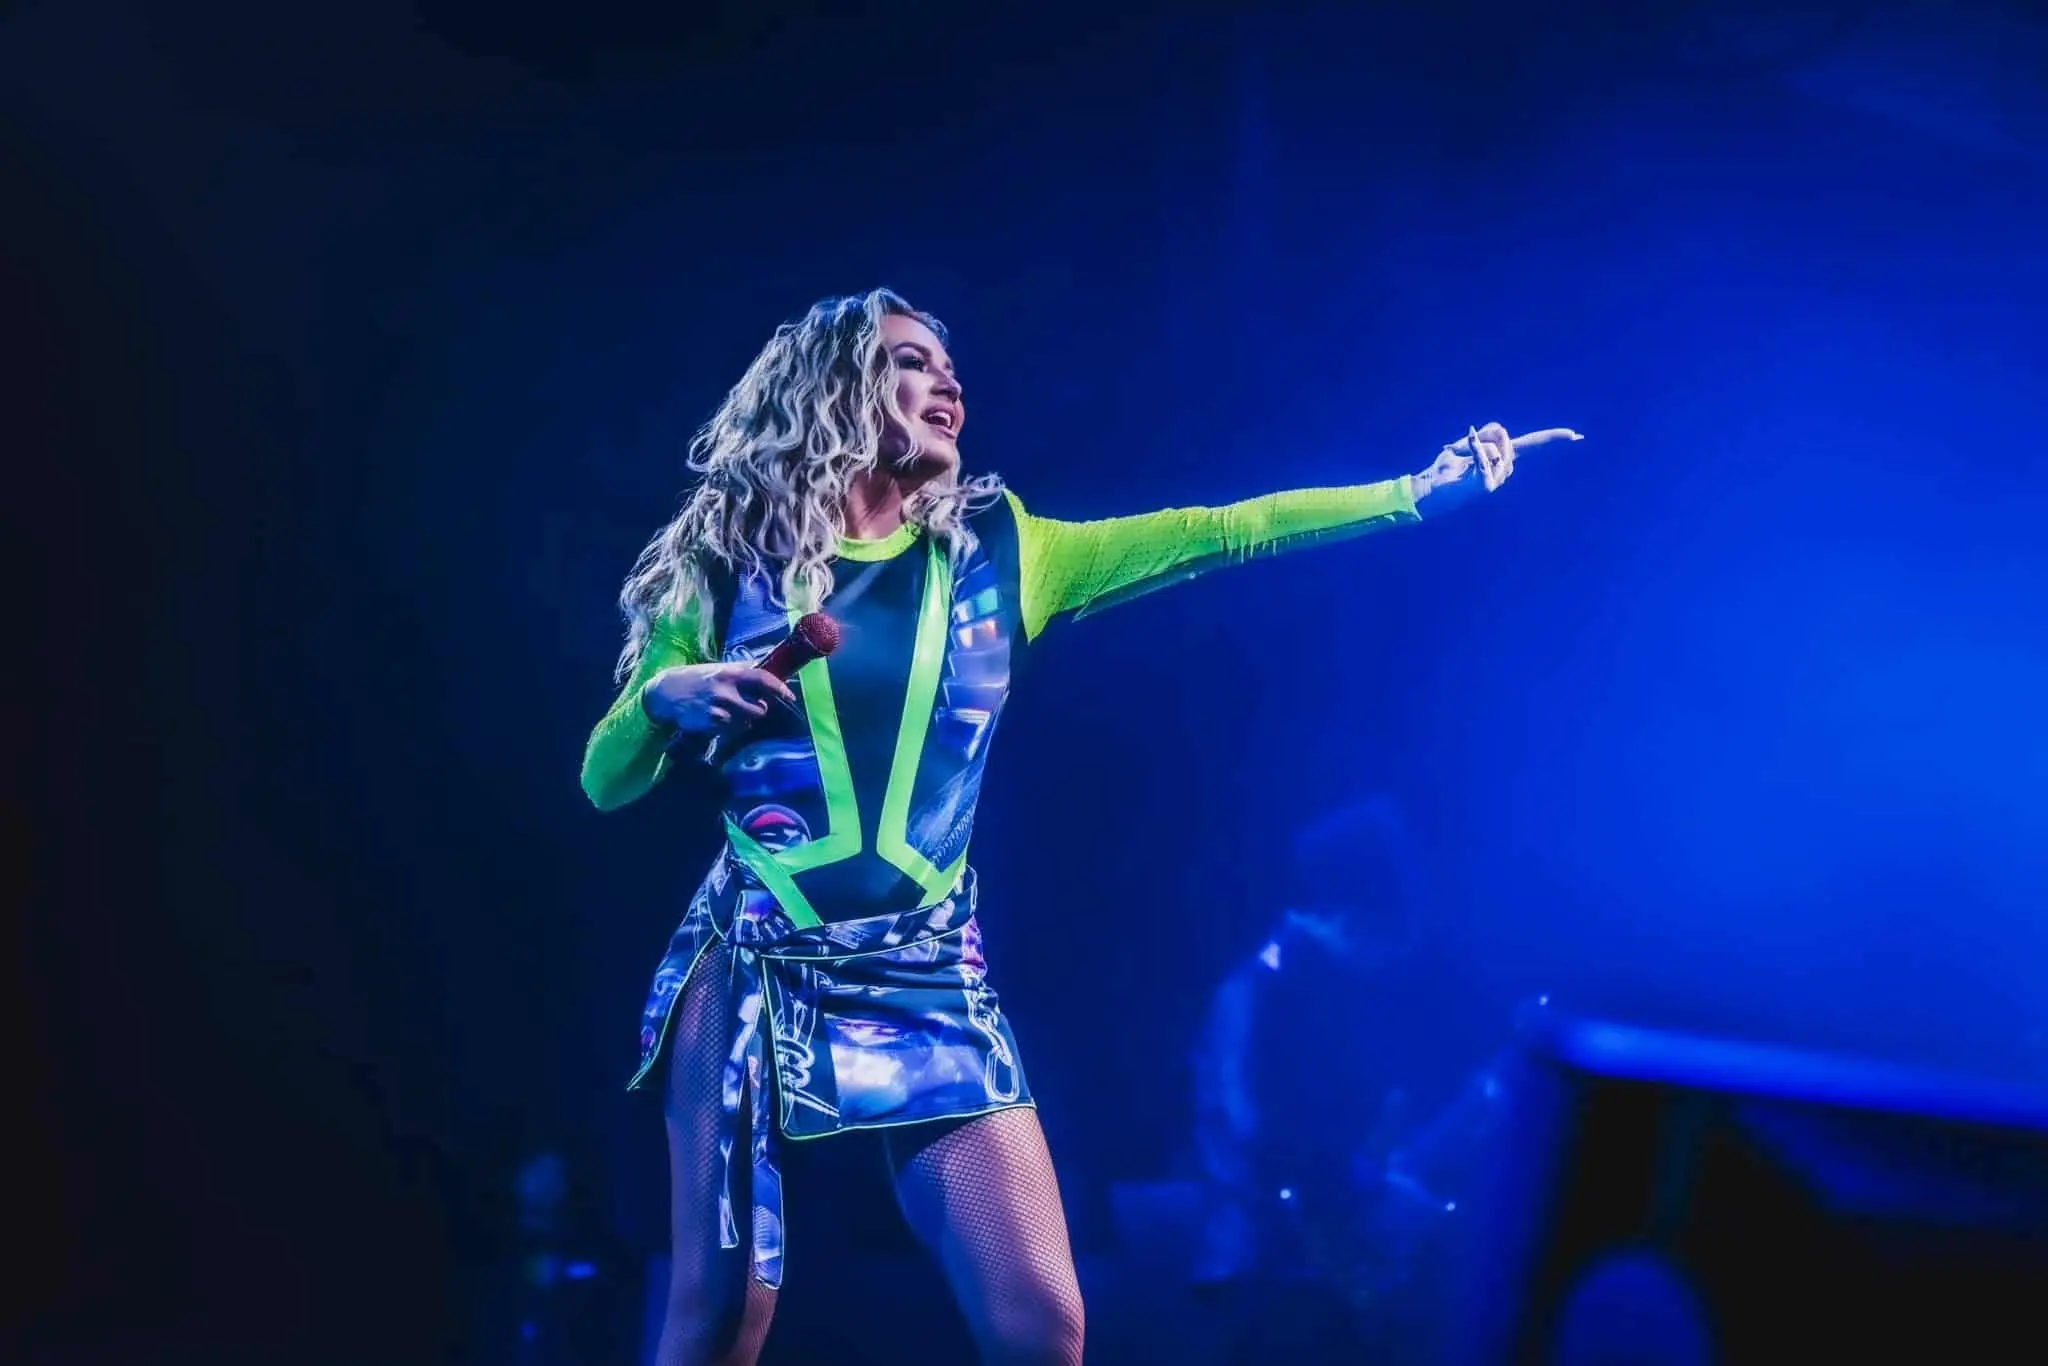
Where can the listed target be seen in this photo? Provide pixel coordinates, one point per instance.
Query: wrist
(649, 708)
(1419, 486)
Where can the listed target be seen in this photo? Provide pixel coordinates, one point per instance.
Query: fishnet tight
(718, 1314)
(980, 1194)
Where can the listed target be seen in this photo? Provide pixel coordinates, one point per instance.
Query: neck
(874, 506)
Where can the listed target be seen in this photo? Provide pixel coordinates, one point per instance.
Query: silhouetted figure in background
(1338, 1093)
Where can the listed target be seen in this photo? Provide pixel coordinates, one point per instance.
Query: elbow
(604, 788)
(620, 768)
(609, 789)
(593, 776)
(599, 793)
(607, 792)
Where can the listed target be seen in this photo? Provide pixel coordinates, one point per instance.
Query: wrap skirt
(871, 1023)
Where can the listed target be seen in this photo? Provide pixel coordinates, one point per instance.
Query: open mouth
(942, 420)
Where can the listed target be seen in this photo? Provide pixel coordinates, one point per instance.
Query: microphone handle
(783, 661)
(791, 655)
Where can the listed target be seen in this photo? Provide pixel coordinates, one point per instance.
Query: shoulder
(1003, 509)
(993, 509)
(988, 495)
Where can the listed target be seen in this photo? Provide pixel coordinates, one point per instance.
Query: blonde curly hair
(774, 465)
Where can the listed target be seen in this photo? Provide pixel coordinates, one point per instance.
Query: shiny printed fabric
(875, 1023)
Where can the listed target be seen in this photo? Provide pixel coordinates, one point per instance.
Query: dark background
(355, 349)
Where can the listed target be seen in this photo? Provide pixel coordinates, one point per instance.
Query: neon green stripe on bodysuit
(842, 804)
(1083, 567)
(928, 660)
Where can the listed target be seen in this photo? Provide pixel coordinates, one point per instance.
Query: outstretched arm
(628, 752)
(1083, 567)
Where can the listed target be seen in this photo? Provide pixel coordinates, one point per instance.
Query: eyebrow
(926, 352)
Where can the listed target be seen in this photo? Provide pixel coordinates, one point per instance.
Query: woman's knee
(1036, 1321)
(711, 1322)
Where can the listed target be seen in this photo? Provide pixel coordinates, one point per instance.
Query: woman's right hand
(698, 699)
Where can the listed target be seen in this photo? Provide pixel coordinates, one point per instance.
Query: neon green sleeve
(1083, 567)
(628, 752)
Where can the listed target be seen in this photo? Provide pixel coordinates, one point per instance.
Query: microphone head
(813, 637)
(818, 633)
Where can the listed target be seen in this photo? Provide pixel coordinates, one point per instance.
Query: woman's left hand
(1479, 462)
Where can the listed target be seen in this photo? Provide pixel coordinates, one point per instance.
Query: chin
(933, 462)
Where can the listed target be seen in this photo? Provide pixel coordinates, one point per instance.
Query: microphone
(814, 636)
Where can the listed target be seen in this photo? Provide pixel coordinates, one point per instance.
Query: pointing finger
(1546, 436)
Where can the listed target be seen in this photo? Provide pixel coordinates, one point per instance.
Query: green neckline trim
(887, 548)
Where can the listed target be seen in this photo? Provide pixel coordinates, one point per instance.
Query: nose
(946, 386)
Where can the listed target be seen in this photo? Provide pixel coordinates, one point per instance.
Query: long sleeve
(1083, 567)
(628, 752)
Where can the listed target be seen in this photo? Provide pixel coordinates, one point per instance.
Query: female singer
(828, 974)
